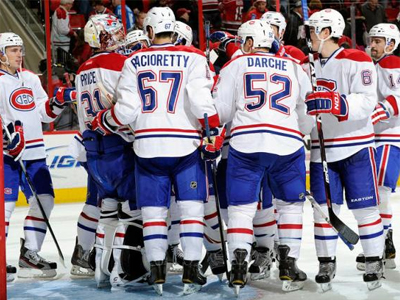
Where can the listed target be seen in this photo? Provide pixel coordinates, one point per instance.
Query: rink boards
(69, 177)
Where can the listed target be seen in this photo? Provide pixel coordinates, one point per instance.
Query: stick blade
(345, 231)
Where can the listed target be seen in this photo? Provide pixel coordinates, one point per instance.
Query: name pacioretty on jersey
(160, 60)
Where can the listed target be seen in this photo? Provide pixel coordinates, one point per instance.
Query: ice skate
(238, 274)
(175, 258)
(261, 266)
(158, 273)
(293, 278)
(31, 264)
(360, 260)
(390, 251)
(11, 270)
(80, 262)
(373, 272)
(193, 279)
(216, 262)
(327, 271)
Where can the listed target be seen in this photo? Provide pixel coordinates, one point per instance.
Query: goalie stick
(345, 232)
(33, 190)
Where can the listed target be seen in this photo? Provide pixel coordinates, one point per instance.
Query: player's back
(268, 91)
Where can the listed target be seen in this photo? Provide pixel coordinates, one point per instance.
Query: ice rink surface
(348, 283)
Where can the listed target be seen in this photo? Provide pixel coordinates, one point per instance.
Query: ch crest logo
(22, 99)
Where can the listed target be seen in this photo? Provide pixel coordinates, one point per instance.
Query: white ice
(348, 283)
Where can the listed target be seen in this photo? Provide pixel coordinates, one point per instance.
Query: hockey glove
(100, 123)
(327, 103)
(16, 145)
(380, 114)
(63, 97)
(211, 147)
(223, 37)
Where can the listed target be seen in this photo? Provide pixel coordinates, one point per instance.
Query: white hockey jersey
(263, 95)
(165, 90)
(388, 70)
(96, 82)
(22, 98)
(351, 73)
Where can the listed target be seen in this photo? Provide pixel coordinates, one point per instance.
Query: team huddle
(154, 118)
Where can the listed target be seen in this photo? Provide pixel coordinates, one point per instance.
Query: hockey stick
(214, 178)
(345, 232)
(33, 190)
(207, 30)
(325, 217)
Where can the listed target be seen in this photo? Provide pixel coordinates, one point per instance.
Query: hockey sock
(276, 215)
(212, 239)
(9, 208)
(87, 225)
(34, 225)
(290, 225)
(265, 227)
(370, 229)
(155, 232)
(174, 221)
(385, 209)
(240, 228)
(224, 215)
(325, 237)
(192, 228)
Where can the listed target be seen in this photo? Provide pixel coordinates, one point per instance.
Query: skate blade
(390, 264)
(325, 287)
(175, 268)
(220, 276)
(191, 288)
(237, 290)
(361, 266)
(290, 286)
(81, 272)
(260, 276)
(10, 277)
(158, 288)
(373, 285)
(36, 273)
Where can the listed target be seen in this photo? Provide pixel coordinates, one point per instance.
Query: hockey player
(385, 38)
(258, 149)
(25, 105)
(136, 40)
(110, 159)
(345, 97)
(165, 91)
(183, 34)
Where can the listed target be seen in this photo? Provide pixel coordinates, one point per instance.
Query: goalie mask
(104, 32)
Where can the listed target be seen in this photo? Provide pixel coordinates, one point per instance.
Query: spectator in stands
(314, 6)
(99, 8)
(83, 7)
(231, 15)
(61, 31)
(374, 13)
(259, 8)
(282, 9)
(212, 14)
(182, 15)
(130, 17)
(139, 19)
(397, 23)
(295, 28)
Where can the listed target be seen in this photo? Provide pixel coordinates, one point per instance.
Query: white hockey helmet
(277, 19)
(160, 19)
(261, 33)
(387, 31)
(328, 18)
(9, 39)
(104, 32)
(183, 34)
(136, 36)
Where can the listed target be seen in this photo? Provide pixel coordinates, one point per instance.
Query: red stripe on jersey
(265, 224)
(392, 100)
(166, 129)
(387, 135)
(371, 224)
(34, 141)
(109, 61)
(161, 223)
(115, 117)
(374, 172)
(385, 216)
(348, 138)
(208, 217)
(266, 125)
(189, 222)
(34, 219)
(240, 230)
(382, 169)
(322, 225)
(49, 112)
(290, 226)
(213, 121)
(100, 235)
(390, 62)
(88, 218)
(120, 235)
(354, 54)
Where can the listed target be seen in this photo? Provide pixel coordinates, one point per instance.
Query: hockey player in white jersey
(165, 92)
(263, 95)
(110, 159)
(25, 105)
(345, 98)
(384, 39)
(183, 34)
(136, 40)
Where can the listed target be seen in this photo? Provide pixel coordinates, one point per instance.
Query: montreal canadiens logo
(22, 99)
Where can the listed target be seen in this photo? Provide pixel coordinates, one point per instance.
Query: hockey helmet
(160, 19)
(277, 19)
(183, 34)
(136, 36)
(261, 33)
(328, 18)
(387, 31)
(104, 32)
(9, 39)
